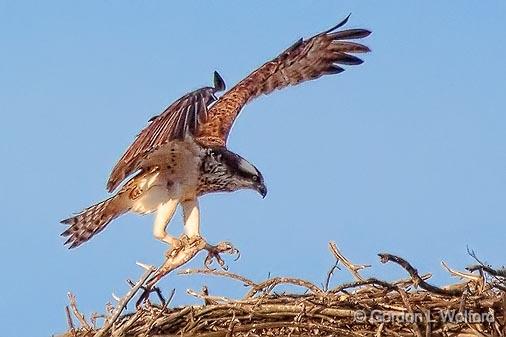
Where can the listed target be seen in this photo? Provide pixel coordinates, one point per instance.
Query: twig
(362, 283)
(463, 299)
(124, 301)
(472, 253)
(380, 329)
(75, 311)
(70, 323)
(405, 300)
(93, 318)
(178, 257)
(416, 278)
(353, 268)
(488, 269)
(161, 312)
(504, 313)
(408, 282)
(463, 275)
(127, 325)
(476, 332)
(279, 324)
(499, 275)
(155, 289)
(499, 286)
(224, 273)
(330, 273)
(271, 283)
(207, 298)
(115, 297)
(428, 324)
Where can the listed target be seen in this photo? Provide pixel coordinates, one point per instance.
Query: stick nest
(474, 306)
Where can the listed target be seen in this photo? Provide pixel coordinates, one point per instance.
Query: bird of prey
(182, 153)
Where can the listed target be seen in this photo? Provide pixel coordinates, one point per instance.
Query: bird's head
(241, 174)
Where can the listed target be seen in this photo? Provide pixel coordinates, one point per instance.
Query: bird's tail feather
(92, 220)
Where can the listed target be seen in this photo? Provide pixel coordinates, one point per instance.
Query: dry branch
(223, 273)
(122, 303)
(417, 280)
(353, 268)
(191, 247)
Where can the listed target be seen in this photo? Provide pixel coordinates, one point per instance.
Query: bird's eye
(254, 178)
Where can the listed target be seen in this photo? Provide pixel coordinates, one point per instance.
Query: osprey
(182, 153)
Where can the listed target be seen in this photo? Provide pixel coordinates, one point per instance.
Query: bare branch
(488, 270)
(223, 273)
(273, 282)
(330, 273)
(80, 317)
(460, 274)
(353, 268)
(70, 323)
(416, 278)
(180, 256)
(362, 283)
(127, 325)
(207, 298)
(124, 301)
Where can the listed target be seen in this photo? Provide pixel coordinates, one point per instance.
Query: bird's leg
(164, 214)
(191, 214)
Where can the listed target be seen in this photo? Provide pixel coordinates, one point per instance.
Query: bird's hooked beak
(262, 189)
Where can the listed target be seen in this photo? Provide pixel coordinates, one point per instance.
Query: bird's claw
(215, 251)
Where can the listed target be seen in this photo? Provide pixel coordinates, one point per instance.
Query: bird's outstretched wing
(181, 118)
(305, 60)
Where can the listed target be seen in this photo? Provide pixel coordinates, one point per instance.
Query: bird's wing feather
(181, 118)
(305, 60)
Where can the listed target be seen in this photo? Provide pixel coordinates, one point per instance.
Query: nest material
(367, 307)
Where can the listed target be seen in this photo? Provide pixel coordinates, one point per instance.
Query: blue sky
(404, 153)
